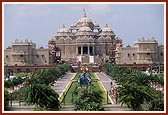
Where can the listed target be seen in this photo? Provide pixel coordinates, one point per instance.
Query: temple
(85, 42)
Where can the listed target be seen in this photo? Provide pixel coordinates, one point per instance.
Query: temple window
(128, 55)
(85, 50)
(148, 54)
(161, 54)
(91, 50)
(79, 50)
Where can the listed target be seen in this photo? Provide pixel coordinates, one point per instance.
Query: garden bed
(67, 96)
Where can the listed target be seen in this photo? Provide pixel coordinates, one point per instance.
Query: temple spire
(106, 25)
(84, 12)
(63, 26)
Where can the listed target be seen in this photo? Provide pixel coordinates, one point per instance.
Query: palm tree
(43, 96)
(136, 86)
(133, 95)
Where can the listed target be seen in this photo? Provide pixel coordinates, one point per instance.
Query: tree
(156, 105)
(6, 99)
(88, 99)
(44, 76)
(43, 96)
(137, 87)
(134, 95)
(37, 89)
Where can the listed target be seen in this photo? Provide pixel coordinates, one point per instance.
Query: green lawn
(74, 85)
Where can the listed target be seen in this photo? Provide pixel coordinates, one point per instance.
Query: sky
(40, 22)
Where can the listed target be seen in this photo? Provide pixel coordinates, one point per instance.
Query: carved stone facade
(143, 52)
(87, 42)
(25, 53)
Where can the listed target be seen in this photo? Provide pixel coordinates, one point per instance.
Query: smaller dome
(118, 40)
(63, 29)
(73, 24)
(96, 24)
(63, 32)
(106, 29)
(51, 41)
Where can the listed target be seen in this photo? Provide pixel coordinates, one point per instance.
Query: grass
(99, 85)
(61, 98)
(74, 84)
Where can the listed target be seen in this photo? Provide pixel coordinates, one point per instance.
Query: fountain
(84, 77)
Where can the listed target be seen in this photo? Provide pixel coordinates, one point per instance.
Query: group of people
(113, 91)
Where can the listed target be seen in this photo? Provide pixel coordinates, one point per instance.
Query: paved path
(61, 84)
(106, 83)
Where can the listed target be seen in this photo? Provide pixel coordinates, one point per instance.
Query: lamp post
(108, 70)
(11, 88)
(11, 92)
(160, 94)
(19, 95)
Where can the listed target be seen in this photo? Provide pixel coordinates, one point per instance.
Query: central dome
(85, 29)
(84, 19)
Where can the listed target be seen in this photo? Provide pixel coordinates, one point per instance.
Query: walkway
(106, 83)
(61, 84)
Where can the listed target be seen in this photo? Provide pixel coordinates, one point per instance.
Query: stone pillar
(76, 50)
